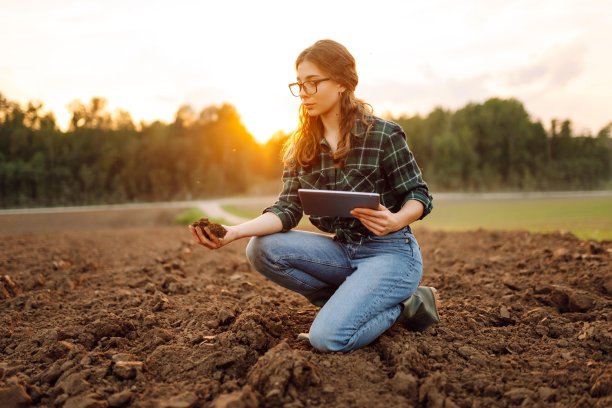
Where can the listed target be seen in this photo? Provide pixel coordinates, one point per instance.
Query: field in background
(587, 217)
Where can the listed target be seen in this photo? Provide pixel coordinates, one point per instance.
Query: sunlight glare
(264, 120)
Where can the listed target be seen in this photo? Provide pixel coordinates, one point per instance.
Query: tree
(105, 158)
(92, 116)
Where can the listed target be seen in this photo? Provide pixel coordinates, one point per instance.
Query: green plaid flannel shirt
(379, 161)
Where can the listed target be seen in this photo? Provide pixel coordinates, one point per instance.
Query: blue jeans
(359, 286)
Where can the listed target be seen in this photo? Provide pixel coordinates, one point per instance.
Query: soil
(99, 312)
(216, 229)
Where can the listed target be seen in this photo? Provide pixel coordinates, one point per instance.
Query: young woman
(365, 277)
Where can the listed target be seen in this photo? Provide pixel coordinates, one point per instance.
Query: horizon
(139, 124)
(150, 58)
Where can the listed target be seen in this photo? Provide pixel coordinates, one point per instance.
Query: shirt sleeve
(288, 207)
(403, 172)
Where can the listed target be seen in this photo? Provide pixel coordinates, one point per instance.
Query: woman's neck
(331, 124)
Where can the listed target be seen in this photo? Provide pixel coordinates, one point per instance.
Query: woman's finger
(381, 222)
(213, 237)
(195, 234)
(372, 227)
(204, 238)
(364, 211)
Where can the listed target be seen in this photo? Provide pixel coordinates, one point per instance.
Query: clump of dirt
(8, 287)
(282, 374)
(213, 227)
(145, 317)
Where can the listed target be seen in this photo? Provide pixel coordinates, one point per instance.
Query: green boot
(420, 310)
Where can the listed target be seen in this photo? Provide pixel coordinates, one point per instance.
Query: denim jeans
(359, 286)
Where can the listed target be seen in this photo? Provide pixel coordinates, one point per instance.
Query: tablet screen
(332, 203)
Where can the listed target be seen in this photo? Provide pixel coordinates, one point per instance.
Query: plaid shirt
(379, 161)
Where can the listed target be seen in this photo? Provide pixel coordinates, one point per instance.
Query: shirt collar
(359, 129)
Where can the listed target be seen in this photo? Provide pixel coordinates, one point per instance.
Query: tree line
(496, 146)
(105, 158)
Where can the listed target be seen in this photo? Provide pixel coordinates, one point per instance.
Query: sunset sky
(150, 57)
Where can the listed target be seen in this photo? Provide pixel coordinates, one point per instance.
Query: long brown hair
(336, 62)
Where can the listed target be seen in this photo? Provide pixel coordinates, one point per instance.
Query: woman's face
(327, 98)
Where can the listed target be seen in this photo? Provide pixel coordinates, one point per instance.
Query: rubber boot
(420, 310)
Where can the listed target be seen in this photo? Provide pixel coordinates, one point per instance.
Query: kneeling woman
(366, 276)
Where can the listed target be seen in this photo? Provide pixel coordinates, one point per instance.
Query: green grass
(587, 218)
(193, 214)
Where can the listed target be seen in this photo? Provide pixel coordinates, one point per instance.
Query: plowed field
(122, 309)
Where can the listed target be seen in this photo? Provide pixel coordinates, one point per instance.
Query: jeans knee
(326, 339)
(253, 250)
(259, 254)
(257, 249)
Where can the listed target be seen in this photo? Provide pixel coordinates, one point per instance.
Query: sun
(265, 118)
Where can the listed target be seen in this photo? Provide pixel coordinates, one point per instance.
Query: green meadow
(585, 217)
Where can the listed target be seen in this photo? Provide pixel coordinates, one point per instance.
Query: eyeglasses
(310, 87)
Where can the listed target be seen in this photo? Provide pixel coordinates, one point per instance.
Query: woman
(365, 277)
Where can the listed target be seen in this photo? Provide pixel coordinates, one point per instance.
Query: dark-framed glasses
(310, 87)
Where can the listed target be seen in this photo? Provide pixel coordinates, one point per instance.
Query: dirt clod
(215, 228)
(126, 370)
(243, 398)
(120, 399)
(8, 287)
(184, 400)
(547, 393)
(571, 300)
(405, 384)
(85, 401)
(14, 395)
(280, 372)
(603, 385)
(431, 391)
(518, 395)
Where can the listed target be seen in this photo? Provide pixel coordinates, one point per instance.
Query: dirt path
(214, 210)
(98, 310)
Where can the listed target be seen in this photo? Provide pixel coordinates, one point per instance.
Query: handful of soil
(215, 228)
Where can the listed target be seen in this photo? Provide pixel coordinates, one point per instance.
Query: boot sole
(436, 300)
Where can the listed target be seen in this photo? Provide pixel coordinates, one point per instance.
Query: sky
(150, 57)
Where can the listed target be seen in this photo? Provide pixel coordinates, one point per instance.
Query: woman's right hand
(209, 240)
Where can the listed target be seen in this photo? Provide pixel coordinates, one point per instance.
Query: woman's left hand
(380, 221)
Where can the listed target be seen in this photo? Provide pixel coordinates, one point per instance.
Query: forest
(105, 157)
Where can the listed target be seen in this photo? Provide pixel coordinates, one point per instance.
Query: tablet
(332, 203)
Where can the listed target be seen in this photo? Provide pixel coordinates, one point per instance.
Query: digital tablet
(332, 203)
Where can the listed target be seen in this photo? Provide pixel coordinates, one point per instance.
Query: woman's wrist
(409, 213)
(398, 221)
(236, 232)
